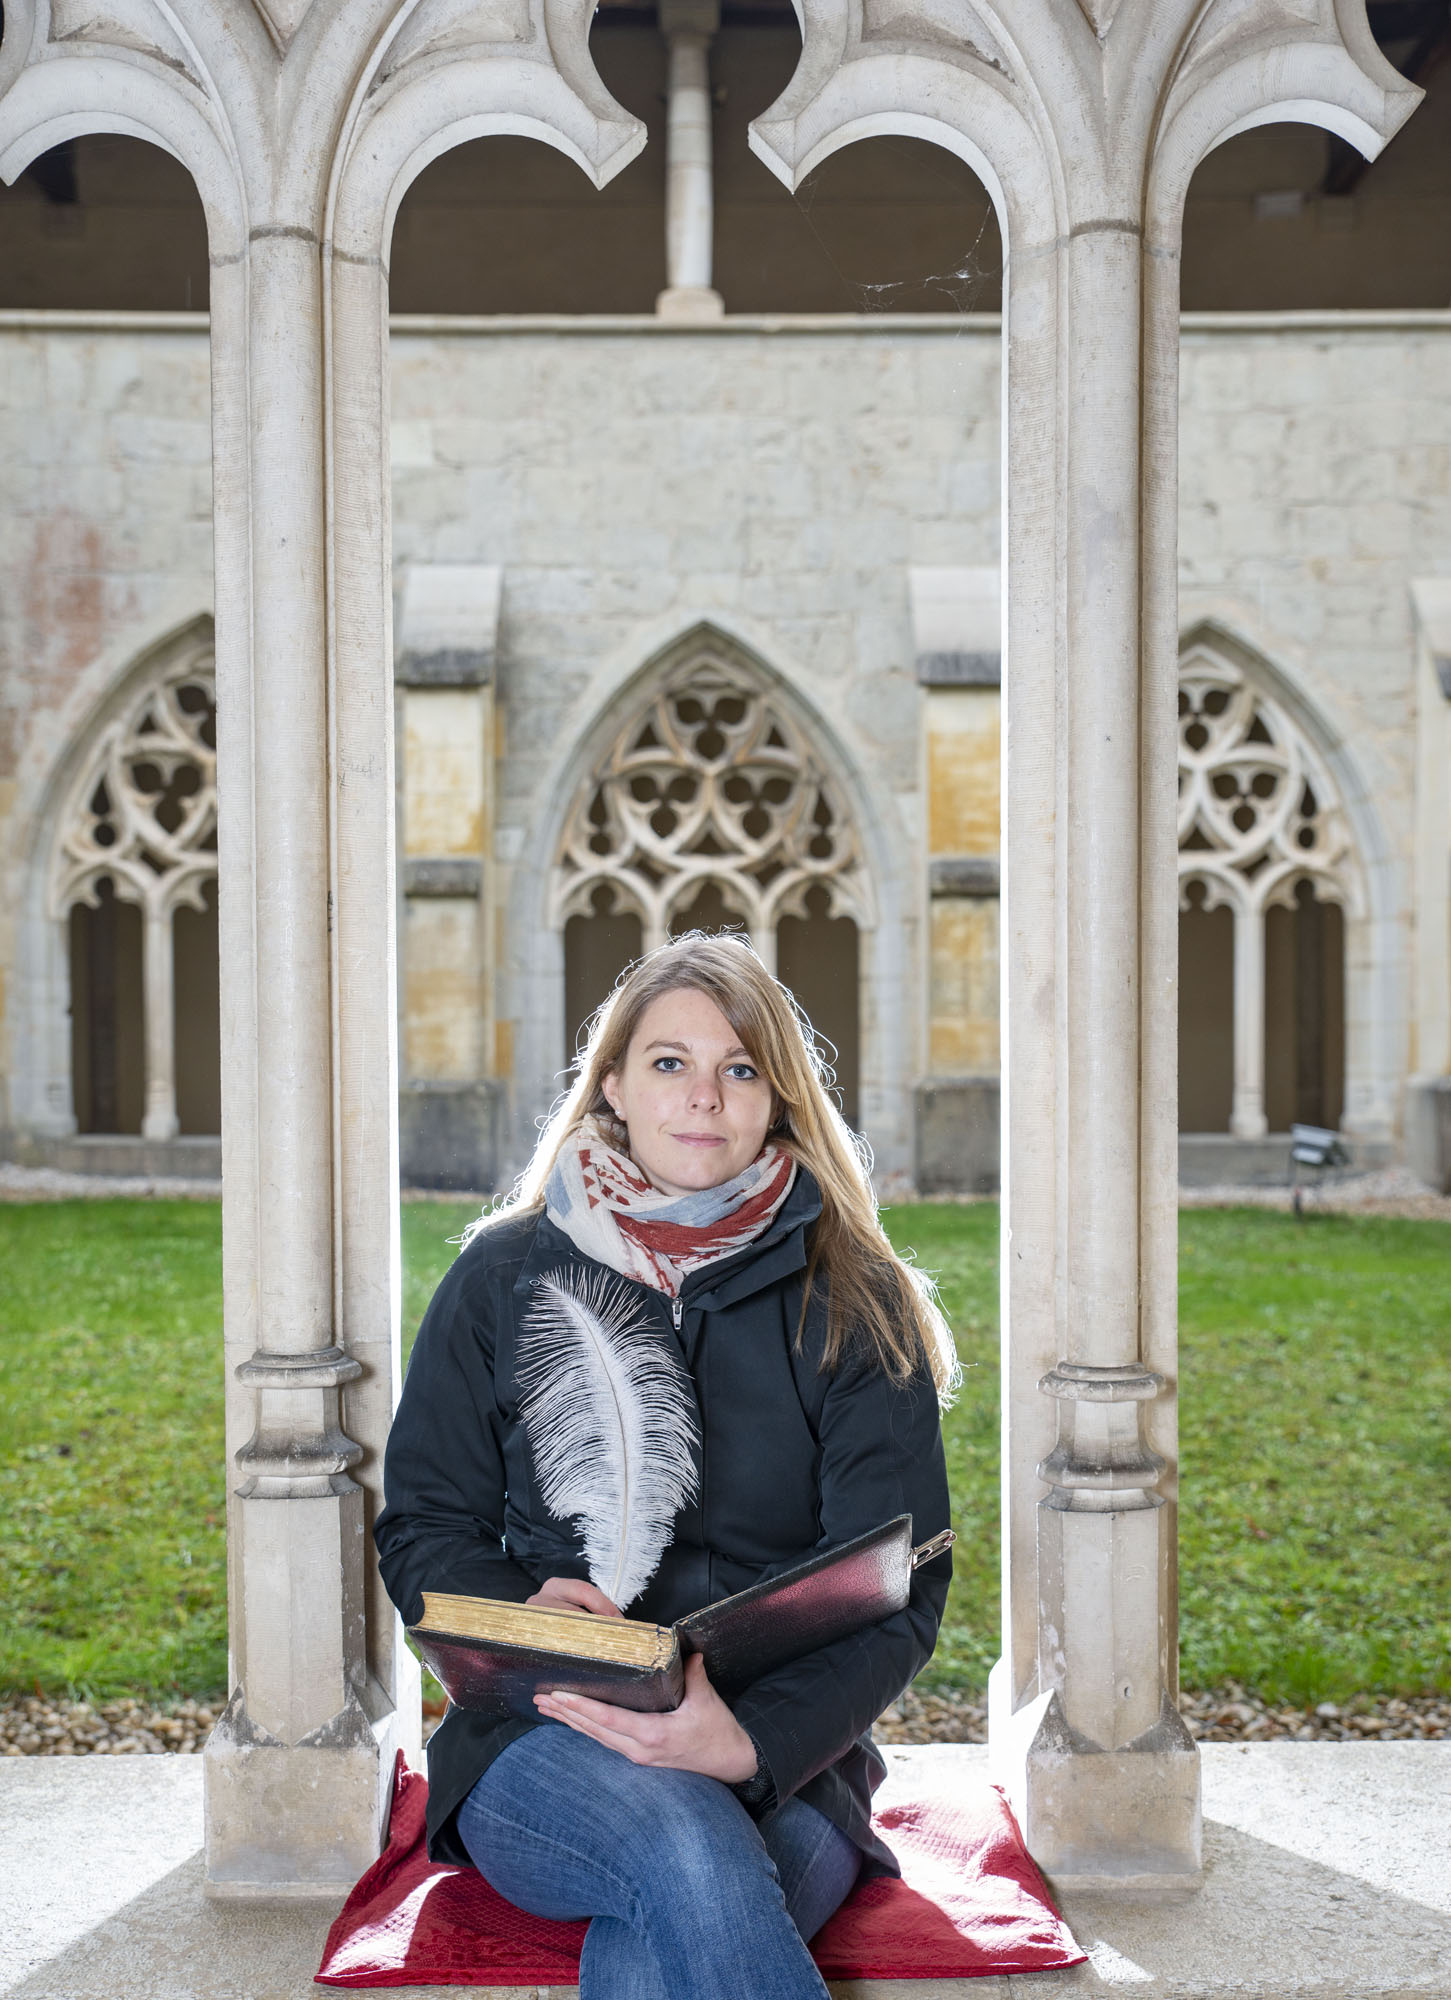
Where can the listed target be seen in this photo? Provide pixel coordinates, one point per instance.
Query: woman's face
(694, 1104)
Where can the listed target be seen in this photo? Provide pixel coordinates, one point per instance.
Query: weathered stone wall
(1317, 482)
(1317, 485)
(105, 501)
(775, 484)
(632, 482)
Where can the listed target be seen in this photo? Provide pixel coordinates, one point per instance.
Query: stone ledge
(1325, 1879)
(123, 1154)
(1218, 1159)
(1314, 320)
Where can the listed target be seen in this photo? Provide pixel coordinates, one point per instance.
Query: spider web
(963, 285)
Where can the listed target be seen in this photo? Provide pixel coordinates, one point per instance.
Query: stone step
(1326, 1878)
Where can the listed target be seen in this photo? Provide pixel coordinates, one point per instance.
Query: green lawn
(1316, 1379)
(113, 1576)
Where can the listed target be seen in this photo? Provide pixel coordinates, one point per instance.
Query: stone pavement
(1328, 1877)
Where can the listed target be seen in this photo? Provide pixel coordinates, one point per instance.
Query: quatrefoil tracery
(711, 785)
(1258, 810)
(144, 811)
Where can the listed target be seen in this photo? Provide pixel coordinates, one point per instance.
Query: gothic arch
(1274, 815)
(710, 800)
(854, 879)
(128, 823)
(708, 778)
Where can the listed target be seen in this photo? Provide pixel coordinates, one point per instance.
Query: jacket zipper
(677, 1312)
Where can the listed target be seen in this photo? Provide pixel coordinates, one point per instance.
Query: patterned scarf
(607, 1208)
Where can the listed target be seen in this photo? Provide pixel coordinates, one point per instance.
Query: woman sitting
(699, 1173)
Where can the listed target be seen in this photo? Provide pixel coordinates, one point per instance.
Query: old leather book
(495, 1656)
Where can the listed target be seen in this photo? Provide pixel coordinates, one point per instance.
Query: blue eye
(742, 1072)
(669, 1064)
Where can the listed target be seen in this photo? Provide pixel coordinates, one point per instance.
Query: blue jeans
(690, 1900)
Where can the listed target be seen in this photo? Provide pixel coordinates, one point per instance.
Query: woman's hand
(572, 1593)
(701, 1735)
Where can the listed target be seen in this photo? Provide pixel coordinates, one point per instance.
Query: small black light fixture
(1318, 1148)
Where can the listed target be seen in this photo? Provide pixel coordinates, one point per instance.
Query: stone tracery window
(711, 808)
(139, 834)
(710, 785)
(1263, 838)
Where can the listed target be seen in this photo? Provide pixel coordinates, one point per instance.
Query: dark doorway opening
(597, 948)
(1304, 1013)
(1206, 1015)
(197, 988)
(107, 1013)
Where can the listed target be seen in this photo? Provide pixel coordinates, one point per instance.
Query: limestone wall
(1316, 485)
(777, 485)
(105, 551)
(776, 480)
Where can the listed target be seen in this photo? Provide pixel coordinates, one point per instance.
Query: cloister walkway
(1327, 1877)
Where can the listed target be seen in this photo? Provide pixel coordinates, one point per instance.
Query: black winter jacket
(793, 1461)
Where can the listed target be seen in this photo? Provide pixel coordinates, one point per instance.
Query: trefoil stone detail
(711, 782)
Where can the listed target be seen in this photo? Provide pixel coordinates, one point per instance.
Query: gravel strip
(1387, 1191)
(35, 1727)
(50, 1184)
(1225, 1715)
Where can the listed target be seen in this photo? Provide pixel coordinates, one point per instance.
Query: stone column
(1104, 1771)
(364, 974)
(1428, 1092)
(1247, 1115)
(293, 1769)
(1086, 119)
(159, 1118)
(688, 26)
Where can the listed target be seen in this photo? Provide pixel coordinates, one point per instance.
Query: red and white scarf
(609, 1210)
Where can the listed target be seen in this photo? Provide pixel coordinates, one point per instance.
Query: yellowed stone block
(503, 1048)
(444, 1027)
(964, 786)
(963, 1024)
(446, 760)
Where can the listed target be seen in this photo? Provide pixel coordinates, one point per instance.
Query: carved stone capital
(299, 1449)
(1083, 1382)
(316, 1368)
(1101, 1463)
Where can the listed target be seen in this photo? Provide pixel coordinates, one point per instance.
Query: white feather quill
(610, 1426)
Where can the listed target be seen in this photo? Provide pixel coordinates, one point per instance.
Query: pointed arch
(1278, 829)
(858, 889)
(708, 777)
(125, 838)
(1260, 809)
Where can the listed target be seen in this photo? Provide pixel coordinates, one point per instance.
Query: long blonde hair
(873, 1297)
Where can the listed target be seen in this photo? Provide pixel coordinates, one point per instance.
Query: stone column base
(1428, 1130)
(448, 1135)
(695, 303)
(294, 1821)
(958, 1127)
(1123, 1823)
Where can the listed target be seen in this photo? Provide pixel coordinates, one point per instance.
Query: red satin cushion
(969, 1901)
